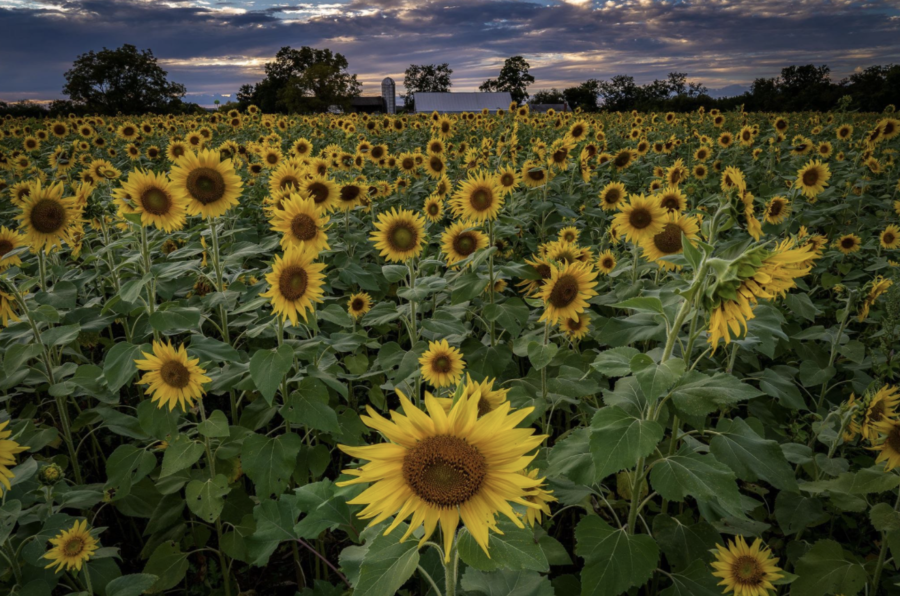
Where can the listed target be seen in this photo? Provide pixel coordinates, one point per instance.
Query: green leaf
(614, 561)
(695, 580)
(615, 362)
(795, 512)
(176, 319)
(130, 585)
(131, 290)
(268, 367)
(309, 406)
(60, 336)
(682, 542)
(182, 453)
(168, 564)
(324, 510)
(825, 569)
(656, 379)
(802, 306)
(215, 426)
(467, 287)
(269, 462)
(119, 366)
(884, 518)
(750, 456)
(697, 394)
(864, 482)
(213, 350)
(206, 499)
(619, 440)
(540, 355)
(700, 476)
(516, 548)
(691, 252)
(642, 304)
(506, 583)
(571, 458)
(387, 564)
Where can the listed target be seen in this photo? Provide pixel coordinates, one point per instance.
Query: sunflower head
(208, 182)
(172, 377)
(399, 234)
(442, 365)
(72, 548)
(359, 304)
(746, 570)
(566, 293)
(295, 283)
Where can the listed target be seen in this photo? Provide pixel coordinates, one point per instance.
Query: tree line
(309, 80)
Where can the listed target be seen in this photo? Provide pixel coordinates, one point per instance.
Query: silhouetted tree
(426, 78)
(513, 77)
(583, 96)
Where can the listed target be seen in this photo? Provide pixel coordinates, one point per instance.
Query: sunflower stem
(42, 269)
(491, 275)
(834, 346)
(220, 285)
(451, 570)
(151, 287)
(87, 579)
(876, 577)
(683, 312)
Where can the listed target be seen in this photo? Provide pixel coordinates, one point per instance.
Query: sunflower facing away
(71, 548)
(641, 217)
(566, 293)
(47, 219)
(208, 181)
(301, 224)
(746, 570)
(9, 241)
(399, 235)
(442, 365)
(443, 467)
(459, 241)
(478, 199)
(295, 283)
(888, 444)
(172, 376)
(8, 451)
(359, 304)
(154, 197)
(874, 410)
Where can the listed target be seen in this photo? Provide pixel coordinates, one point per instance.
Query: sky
(215, 46)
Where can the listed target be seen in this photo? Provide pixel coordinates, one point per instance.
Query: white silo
(388, 92)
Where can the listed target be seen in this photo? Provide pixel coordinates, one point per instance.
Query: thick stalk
(211, 464)
(683, 313)
(834, 347)
(451, 570)
(876, 577)
(491, 275)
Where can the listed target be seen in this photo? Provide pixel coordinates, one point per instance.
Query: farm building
(455, 103)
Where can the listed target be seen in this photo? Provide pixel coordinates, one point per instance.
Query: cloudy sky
(214, 46)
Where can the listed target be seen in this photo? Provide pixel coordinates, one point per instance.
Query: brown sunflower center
(357, 304)
(747, 571)
(465, 244)
(612, 196)
(318, 191)
(889, 237)
(156, 201)
(810, 177)
(608, 263)
(848, 242)
(640, 218)
(444, 471)
(670, 202)
(876, 412)
(775, 208)
(5, 246)
(482, 199)
(272, 158)
(402, 237)
(206, 185)
(48, 216)
(350, 193)
(293, 282)
(73, 546)
(893, 439)
(436, 164)
(669, 240)
(442, 364)
(536, 175)
(622, 159)
(175, 374)
(544, 271)
(408, 163)
(303, 227)
(289, 181)
(434, 209)
(564, 292)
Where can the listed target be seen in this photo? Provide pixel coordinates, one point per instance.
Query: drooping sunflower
(295, 283)
(746, 570)
(441, 467)
(399, 234)
(606, 262)
(888, 444)
(433, 208)
(668, 241)
(640, 217)
(9, 241)
(173, 377)
(7, 309)
(72, 548)
(48, 220)
(359, 304)
(156, 199)
(812, 178)
(459, 241)
(301, 223)
(879, 285)
(733, 178)
(8, 451)
(442, 365)
(566, 293)
(890, 237)
(208, 181)
(612, 195)
(849, 243)
(576, 328)
(875, 409)
(777, 210)
(478, 199)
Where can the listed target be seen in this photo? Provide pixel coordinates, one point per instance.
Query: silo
(388, 92)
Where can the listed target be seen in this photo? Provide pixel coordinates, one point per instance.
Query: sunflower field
(486, 354)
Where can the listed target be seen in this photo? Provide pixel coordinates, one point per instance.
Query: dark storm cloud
(214, 47)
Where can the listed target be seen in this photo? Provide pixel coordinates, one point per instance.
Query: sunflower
(489, 398)
(812, 178)
(441, 467)
(569, 234)
(173, 378)
(479, 198)
(399, 235)
(640, 217)
(47, 219)
(542, 269)
(295, 283)
(777, 210)
(508, 179)
(359, 304)
(876, 409)
(888, 444)
(8, 451)
(577, 327)
(442, 365)
(71, 548)
(433, 208)
(154, 197)
(7, 309)
(322, 190)
(460, 241)
(890, 238)
(208, 181)
(672, 199)
(301, 224)
(612, 195)
(350, 195)
(733, 178)
(746, 570)
(668, 241)
(849, 243)
(435, 166)
(624, 158)
(606, 262)
(287, 176)
(566, 293)
(535, 174)
(537, 496)
(9, 241)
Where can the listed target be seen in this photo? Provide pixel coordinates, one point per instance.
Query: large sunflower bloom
(71, 548)
(295, 283)
(442, 365)
(812, 178)
(440, 467)
(746, 570)
(479, 198)
(47, 219)
(641, 217)
(208, 181)
(154, 197)
(172, 376)
(460, 240)
(668, 242)
(399, 234)
(301, 224)
(8, 451)
(566, 293)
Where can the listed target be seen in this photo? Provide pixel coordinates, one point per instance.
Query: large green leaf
(515, 548)
(700, 476)
(506, 583)
(619, 440)
(182, 453)
(387, 564)
(168, 564)
(269, 461)
(206, 498)
(698, 394)
(826, 569)
(614, 561)
(130, 585)
(268, 367)
(750, 456)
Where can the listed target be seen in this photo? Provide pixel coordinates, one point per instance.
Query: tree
(553, 95)
(619, 94)
(583, 96)
(304, 80)
(124, 80)
(513, 77)
(426, 78)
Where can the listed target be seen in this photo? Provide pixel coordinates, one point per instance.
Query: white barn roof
(461, 102)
